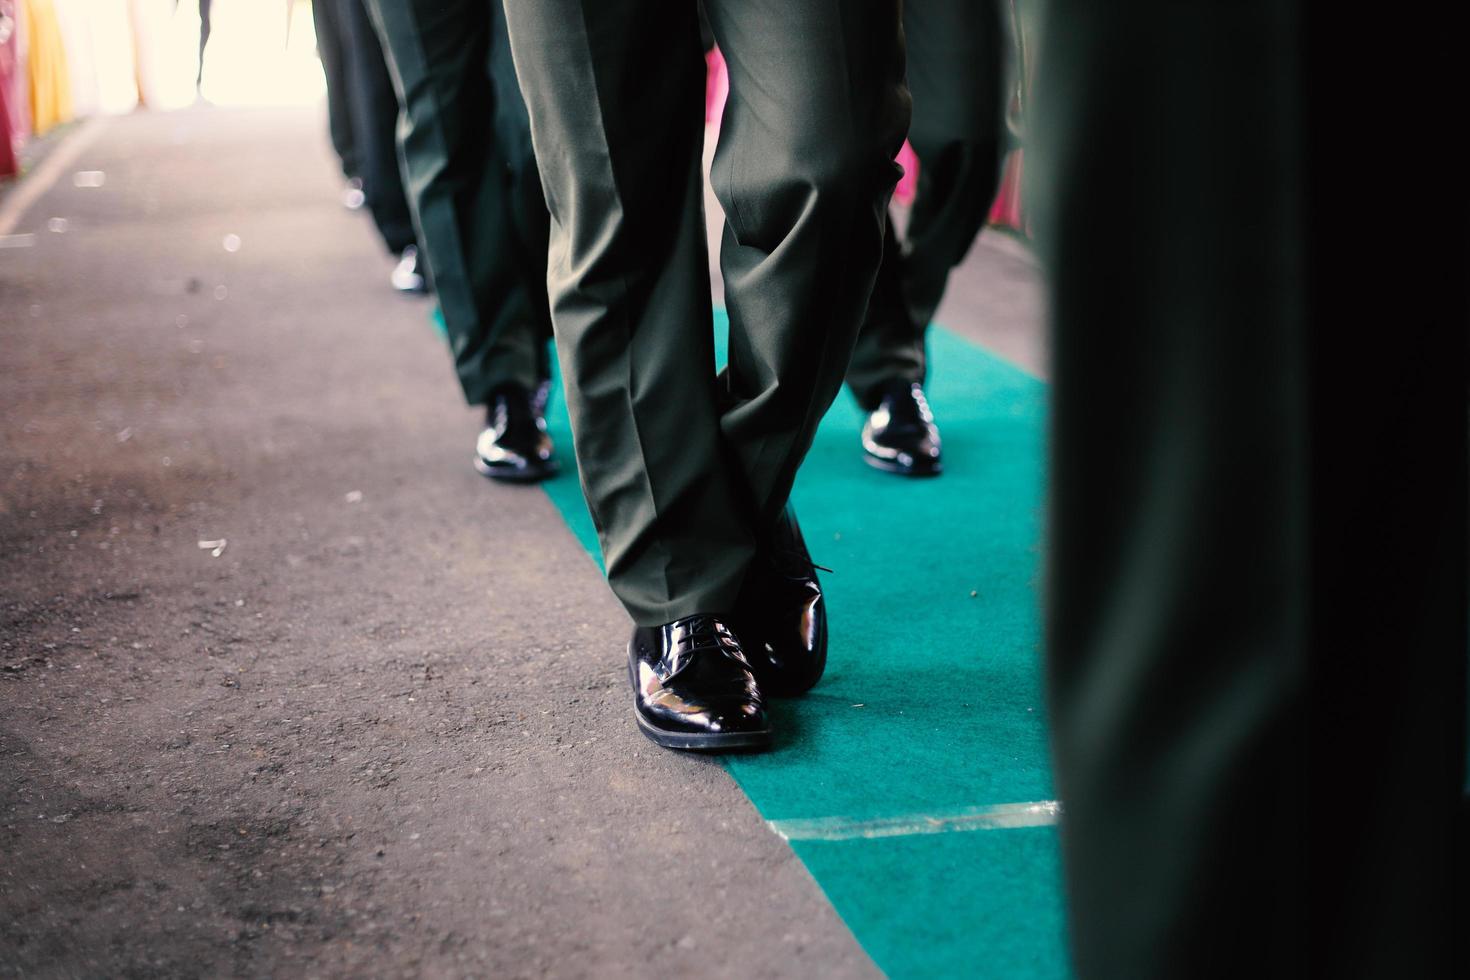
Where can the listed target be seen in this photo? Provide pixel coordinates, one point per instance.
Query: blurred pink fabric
(908, 184)
(716, 86)
(1007, 212)
(14, 92)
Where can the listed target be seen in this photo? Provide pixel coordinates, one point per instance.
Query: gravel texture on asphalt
(385, 730)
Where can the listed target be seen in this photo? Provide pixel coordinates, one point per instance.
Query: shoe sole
(511, 476)
(703, 742)
(772, 688)
(897, 470)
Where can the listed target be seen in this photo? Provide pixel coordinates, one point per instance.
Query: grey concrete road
(385, 731)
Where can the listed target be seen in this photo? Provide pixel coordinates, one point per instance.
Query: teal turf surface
(932, 700)
(979, 904)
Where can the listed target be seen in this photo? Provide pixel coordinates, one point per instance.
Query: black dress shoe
(781, 615)
(900, 435)
(692, 687)
(514, 445)
(406, 277)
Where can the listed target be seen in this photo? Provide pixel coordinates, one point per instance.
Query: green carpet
(932, 700)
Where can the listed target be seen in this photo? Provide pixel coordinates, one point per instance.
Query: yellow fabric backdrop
(50, 83)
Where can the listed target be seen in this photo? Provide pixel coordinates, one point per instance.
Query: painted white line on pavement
(1004, 816)
(39, 181)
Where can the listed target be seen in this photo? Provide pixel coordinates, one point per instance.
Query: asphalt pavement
(286, 688)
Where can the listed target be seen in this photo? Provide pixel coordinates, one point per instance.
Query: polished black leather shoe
(781, 615)
(692, 687)
(514, 445)
(900, 435)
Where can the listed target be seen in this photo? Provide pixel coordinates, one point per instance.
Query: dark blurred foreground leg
(1257, 606)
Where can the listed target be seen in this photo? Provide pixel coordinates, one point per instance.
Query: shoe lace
(909, 409)
(795, 563)
(922, 403)
(707, 633)
(788, 555)
(703, 633)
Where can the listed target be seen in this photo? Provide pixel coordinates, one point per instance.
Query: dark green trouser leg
(473, 187)
(679, 466)
(326, 20)
(374, 109)
(957, 53)
(1256, 609)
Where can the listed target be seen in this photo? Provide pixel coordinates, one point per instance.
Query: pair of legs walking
(957, 73)
(362, 111)
(481, 219)
(686, 472)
